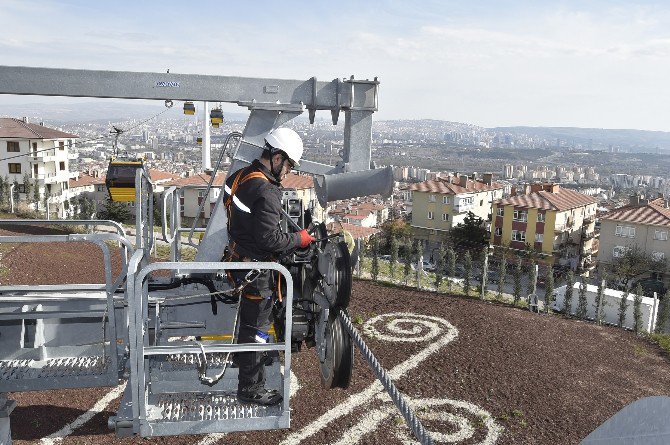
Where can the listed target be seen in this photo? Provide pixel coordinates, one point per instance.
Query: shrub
(581, 301)
(569, 285)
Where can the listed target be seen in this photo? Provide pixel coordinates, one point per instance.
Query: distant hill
(635, 140)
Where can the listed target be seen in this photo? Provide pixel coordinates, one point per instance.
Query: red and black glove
(305, 238)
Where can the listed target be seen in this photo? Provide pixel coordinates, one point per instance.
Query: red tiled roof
(298, 182)
(201, 179)
(654, 214)
(563, 199)
(16, 128)
(159, 175)
(85, 180)
(356, 231)
(447, 188)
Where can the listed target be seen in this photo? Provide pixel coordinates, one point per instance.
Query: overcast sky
(603, 64)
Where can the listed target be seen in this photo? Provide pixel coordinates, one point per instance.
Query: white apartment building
(41, 153)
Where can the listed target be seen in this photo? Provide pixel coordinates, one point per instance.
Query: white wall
(612, 299)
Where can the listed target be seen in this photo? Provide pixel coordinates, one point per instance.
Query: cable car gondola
(216, 117)
(121, 172)
(120, 180)
(189, 108)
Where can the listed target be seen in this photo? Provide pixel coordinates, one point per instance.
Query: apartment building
(557, 223)
(644, 224)
(439, 205)
(40, 153)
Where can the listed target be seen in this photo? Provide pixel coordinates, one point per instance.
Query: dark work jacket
(255, 214)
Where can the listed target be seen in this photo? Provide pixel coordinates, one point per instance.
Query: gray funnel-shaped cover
(353, 185)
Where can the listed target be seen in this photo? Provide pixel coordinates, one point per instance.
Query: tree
(623, 308)
(407, 269)
(532, 284)
(581, 301)
(470, 233)
(15, 193)
(74, 207)
(6, 191)
(374, 271)
(86, 207)
(36, 195)
(393, 261)
(28, 188)
(467, 264)
(518, 272)
(3, 186)
(115, 211)
(599, 304)
(634, 262)
(663, 313)
(569, 286)
(503, 274)
(451, 261)
(548, 289)
(637, 309)
(419, 259)
(398, 229)
(439, 267)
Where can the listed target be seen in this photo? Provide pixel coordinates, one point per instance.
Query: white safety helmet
(286, 140)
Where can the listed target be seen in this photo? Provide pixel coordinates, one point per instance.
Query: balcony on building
(44, 156)
(588, 235)
(49, 178)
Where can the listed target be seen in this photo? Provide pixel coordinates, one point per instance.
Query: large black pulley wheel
(335, 267)
(338, 366)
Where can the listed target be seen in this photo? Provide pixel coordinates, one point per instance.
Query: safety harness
(231, 252)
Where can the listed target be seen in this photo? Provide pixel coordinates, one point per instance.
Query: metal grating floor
(178, 362)
(198, 407)
(54, 367)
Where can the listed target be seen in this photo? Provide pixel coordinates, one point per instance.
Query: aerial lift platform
(171, 335)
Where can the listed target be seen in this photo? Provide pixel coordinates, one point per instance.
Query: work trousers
(255, 320)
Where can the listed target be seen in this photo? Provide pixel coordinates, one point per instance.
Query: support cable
(83, 141)
(410, 417)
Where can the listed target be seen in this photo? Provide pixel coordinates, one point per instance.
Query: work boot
(261, 396)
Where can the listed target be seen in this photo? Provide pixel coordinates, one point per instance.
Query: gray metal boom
(314, 95)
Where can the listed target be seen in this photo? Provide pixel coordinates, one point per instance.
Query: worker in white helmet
(253, 201)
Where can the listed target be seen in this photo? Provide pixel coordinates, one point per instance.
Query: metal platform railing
(63, 335)
(185, 410)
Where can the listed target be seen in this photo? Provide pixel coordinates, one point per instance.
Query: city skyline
(512, 63)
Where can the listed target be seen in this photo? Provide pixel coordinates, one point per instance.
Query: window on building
(181, 209)
(14, 168)
(501, 211)
(201, 193)
(540, 217)
(430, 215)
(521, 215)
(661, 235)
(539, 237)
(61, 145)
(61, 165)
(627, 231)
(481, 202)
(445, 200)
(657, 256)
(13, 146)
(619, 251)
(498, 231)
(431, 198)
(445, 217)
(21, 188)
(518, 235)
